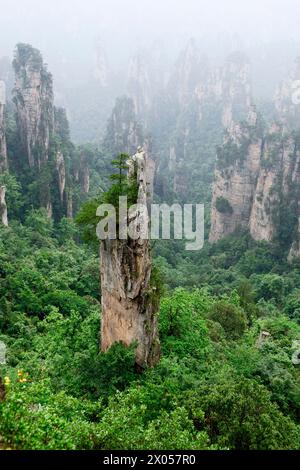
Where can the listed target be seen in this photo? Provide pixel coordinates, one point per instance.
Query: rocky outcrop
(3, 149)
(129, 304)
(226, 92)
(236, 174)
(61, 172)
(287, 99)
(256, 185)
(33, 97)
(190, 69)
(207, 100)
(101, 72)
(3, 206)
(123, 133)
(139, 85)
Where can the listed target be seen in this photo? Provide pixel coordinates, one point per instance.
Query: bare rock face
(139, 85)
(235, 178)
(205, 95)
(256, 185)
(129, 308)
(61, 171)
(3, 150)
(3, 207)
(190, 69)
(101, 72)
(33, 97)
(287, 99)
(123, 133)
(228, 89)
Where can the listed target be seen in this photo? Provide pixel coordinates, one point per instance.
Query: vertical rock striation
(129, 306)
(3, 154)
(256, 184)
(3, 207)
(123, 133)
(3, 150)
(236, 174)
(33, 97)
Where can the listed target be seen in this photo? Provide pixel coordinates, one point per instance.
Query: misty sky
(69, 27)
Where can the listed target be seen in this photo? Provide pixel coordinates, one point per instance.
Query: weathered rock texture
(287, 99)
(226, 91)
(256, 184)
(3, 154)
(207, 99)
(3, 207)
(3, 150)
(33, 97)
(235, 179)
(45, 150)
(129, 305)
(101, 72)
(123, 133)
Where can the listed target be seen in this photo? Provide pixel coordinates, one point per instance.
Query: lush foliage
(216, 386)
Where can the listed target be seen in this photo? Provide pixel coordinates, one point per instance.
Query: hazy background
(68, 31)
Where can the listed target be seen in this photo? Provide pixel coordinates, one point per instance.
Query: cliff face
(139, 86)
(3, 207)
(129, 308)
(3, 150)
(3, 154)
(236, 175)
(33, 97)
(226, 92)
(123, 133)
(43, 136)
(287, 99)
(101, 72)
(255, 187)
(208, 99)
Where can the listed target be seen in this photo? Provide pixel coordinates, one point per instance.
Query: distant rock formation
(3, 149)
(101, 72)
(33, 97)
(236, 174)
(43, 133)
(256, 183)
(129, 308)
(287, 99)
(3, 207)
(123, 133)
(207, 100)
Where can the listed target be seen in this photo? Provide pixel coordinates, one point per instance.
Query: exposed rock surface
(3, 207)
(287, 99)
(236, 176)
(3, 150)
(227, 91)
(33, 97)
(101, 72)
(123, 133)
(129, 308)
(256, 184)
(207, 100)
(139, 85)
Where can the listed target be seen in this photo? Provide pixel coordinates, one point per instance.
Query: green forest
(139, 344)
(215, 387)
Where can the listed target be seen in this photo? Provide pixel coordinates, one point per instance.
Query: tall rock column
(3, 207)
(3, 150)
(236, 174)
(33, 96)
(3, 155)
(129, 305)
